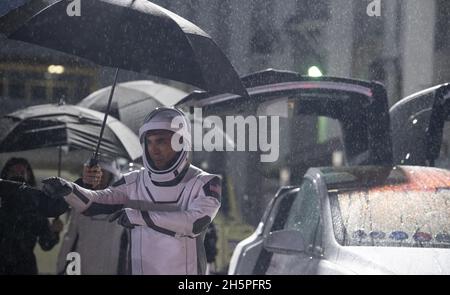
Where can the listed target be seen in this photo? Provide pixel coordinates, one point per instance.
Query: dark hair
(19, 161)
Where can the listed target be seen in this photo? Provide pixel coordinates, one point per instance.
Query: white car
(355, 220)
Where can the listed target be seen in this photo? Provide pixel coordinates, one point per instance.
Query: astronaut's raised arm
(191, 222)
(106, 201)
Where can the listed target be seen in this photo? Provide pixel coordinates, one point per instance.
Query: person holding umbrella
(168, 205)
(23, 219)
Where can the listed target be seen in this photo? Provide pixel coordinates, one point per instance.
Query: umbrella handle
(92, 162)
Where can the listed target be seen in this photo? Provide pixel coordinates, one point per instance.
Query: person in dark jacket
(23, 219)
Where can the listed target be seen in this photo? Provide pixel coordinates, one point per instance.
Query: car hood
(394, 260)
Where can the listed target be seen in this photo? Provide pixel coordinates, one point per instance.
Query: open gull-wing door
(360, 107)
(421, 128)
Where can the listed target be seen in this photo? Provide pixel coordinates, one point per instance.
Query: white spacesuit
(168, 210)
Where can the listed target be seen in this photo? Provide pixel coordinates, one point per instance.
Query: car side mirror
(285, 242)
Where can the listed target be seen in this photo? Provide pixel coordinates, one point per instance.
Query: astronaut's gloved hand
(124, 217)
(57, 187)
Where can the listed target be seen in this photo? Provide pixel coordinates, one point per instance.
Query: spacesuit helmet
(174, 120)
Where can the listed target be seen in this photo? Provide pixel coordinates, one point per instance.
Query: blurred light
(314, 72)
(322, 129)
(285, 176)
(55, 69)
(338, 158)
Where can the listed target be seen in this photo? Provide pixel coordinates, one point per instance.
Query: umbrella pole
(59, 171)
(59, 160)
(94, 160)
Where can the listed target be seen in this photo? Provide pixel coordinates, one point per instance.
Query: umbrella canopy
(49, 125)
(135, 35)
(134, 100)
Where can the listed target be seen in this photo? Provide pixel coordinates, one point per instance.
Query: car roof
(379, 178)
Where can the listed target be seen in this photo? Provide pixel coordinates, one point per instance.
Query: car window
(305, 138)
(389, 217)
(278, 215)
(304, 214)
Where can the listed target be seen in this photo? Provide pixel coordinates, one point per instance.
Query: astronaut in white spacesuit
(168, 205)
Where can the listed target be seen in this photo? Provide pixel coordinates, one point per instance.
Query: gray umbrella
(49, 125)
(132, 101)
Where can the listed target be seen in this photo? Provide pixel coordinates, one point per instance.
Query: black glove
(122, 219)
(57, 187)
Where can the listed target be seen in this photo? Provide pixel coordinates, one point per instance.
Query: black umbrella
(133, 100)
(66, 125)
(135, 35)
